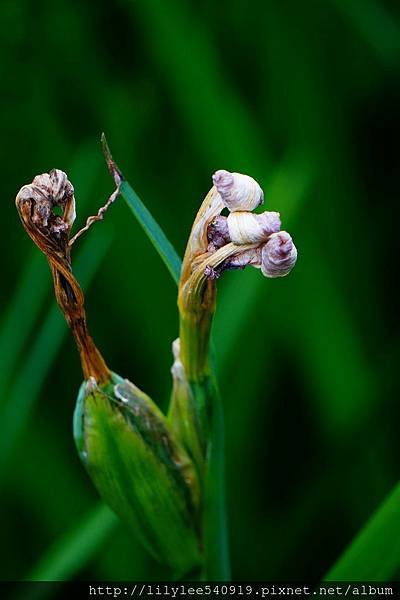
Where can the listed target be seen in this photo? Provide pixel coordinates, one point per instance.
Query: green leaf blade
(152, 229)
(374, 554)
(150, 226)
(75, 548)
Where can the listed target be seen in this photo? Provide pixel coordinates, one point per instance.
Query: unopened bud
(249, 228)
(140, 469)
(238, 192)
(279, 255)
(216, 244)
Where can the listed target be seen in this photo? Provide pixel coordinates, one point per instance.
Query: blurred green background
(304, 96)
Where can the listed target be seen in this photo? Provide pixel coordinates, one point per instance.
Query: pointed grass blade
(145, 218)
(76, 548)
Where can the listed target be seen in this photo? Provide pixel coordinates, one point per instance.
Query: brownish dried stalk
(36, 204)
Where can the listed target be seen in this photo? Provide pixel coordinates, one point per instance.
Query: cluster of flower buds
(272, 250)
(218, 243)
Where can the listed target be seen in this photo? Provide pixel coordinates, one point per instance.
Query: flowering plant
(161, 474)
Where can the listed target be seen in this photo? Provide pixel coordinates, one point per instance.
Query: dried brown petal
(47, 192)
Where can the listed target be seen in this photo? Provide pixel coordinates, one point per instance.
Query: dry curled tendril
(47, 211)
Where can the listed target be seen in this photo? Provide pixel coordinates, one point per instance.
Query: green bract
(140, 469)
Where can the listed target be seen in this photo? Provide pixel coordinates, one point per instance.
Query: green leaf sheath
(140, 470)
(194, 333)
(185, 421)
(214, 519)
(196, 416)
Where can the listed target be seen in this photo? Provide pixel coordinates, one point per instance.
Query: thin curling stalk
(35, 205)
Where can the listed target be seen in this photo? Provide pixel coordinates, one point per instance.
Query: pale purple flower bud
(249, 228)
(278, 255)
(223, 181)
(238, 192)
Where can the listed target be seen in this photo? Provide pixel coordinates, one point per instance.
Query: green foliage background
(302, 96)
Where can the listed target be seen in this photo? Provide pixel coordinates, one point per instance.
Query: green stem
(214, 520)
(215, 526)
(194, 334)
(196, 313)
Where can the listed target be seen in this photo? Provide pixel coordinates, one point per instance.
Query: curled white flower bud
(216, 244)
(238, 192)
(278, 255)
(249, 228)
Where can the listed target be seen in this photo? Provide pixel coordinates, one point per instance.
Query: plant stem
(215, 526)
(195, 342)
(194, 335)
(196, 303)
(70, 299)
